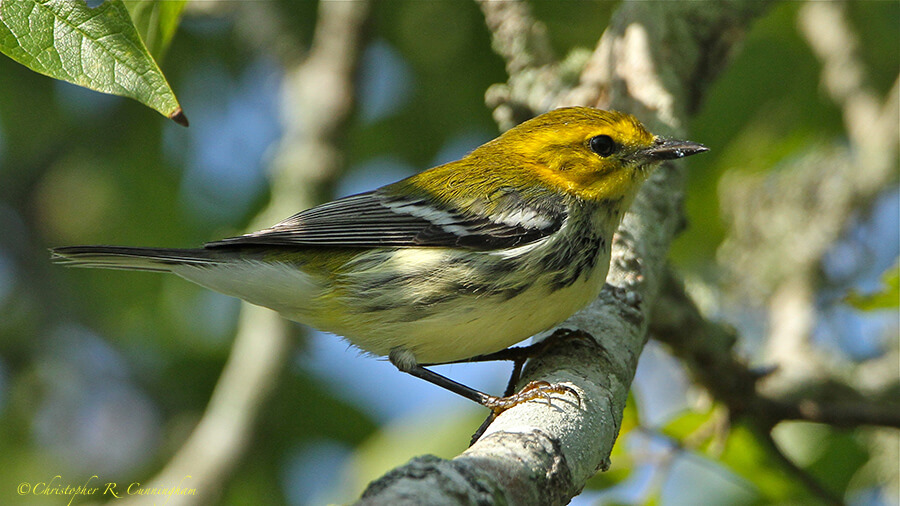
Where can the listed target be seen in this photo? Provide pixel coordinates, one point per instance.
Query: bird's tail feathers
(130, 258)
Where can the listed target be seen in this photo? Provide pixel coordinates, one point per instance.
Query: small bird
(462, 260)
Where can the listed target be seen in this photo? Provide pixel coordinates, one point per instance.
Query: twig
(707, 349)
(530, 63)
(869, 125)
(517, 36)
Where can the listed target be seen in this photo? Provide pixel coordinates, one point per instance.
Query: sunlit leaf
(838, 456)
(887, 298)
(746, 456)
(98, 48)
(686, 424)
(156, 22)
(652, 499)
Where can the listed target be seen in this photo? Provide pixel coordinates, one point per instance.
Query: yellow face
(592, 153)
(585, 152)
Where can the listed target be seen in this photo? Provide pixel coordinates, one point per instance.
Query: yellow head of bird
(591, 153)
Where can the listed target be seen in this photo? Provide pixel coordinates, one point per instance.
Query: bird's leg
(405, 361)
(518, 355)
(514, 377)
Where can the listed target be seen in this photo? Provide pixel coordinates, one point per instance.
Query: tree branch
(707, 349)
(534, 79)
(540, 454)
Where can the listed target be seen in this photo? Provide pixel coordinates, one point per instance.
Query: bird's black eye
(603, 145)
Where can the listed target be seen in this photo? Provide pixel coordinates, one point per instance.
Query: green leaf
(748, 458)
(156, 22)
(96, 48)
(888, 298)
(686, 424)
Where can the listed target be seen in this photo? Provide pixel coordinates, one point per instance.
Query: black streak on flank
(578, 258)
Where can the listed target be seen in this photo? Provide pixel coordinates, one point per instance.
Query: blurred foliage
(888, 297)
(759, 111)
(156, 22)
(740, 450)
(98, 48)
(768, 104)
(80, 167)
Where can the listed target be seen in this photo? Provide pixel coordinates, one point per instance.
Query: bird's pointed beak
(670, 149)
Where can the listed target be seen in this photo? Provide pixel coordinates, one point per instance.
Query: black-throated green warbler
(461, 260)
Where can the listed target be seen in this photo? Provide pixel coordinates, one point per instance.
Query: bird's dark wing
(378, 218)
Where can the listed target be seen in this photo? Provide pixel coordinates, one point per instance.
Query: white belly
(437, 304)
(475, 327)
